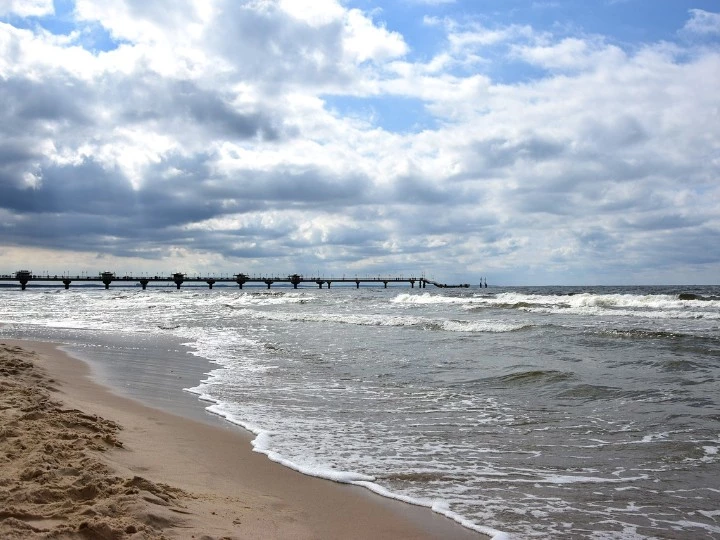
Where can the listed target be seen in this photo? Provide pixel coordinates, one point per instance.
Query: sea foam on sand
(65, 473)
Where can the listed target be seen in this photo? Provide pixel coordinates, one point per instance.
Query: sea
(520, 412)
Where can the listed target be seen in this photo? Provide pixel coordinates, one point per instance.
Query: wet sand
(79, 461)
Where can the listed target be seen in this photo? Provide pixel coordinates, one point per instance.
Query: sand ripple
(53, 480)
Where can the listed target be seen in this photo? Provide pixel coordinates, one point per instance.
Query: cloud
(211, 132)
(27, 8)
(432, 2)
(570, 54)
(703, 22)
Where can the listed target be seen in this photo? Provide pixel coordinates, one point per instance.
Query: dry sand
(77, 461)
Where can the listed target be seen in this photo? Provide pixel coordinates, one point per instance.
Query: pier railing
(24, 277)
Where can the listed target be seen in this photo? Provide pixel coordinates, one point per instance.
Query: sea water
(533, 412)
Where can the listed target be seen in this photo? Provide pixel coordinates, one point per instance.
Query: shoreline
(217, 485)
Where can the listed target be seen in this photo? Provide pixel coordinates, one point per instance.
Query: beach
(81, 461)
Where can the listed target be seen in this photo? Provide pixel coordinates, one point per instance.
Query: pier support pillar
(295, 279)
(67, 283)
(144, 282)
(268, 282)
(412, 283)
(210, 282)
(23, 276)
(357, 283)
(240, 279)
(385, 282)
(178, 278)
(320, 283)
(107, 278)
(328, 284)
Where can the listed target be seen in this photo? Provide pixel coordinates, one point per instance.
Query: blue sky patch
(391, 113)
(91, 36)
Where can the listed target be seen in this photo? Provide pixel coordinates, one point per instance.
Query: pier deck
(24, 277)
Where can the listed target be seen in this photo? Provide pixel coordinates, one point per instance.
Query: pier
(25, 277)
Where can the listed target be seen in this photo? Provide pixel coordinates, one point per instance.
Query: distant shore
(79, 460)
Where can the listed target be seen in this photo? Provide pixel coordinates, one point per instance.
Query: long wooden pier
(24, 277)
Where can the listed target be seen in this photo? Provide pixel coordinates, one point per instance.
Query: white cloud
(479, 36)
(570, 54)
(314, 12)
(703, 22)
(472, 34)
(366, 41)
(27, 8)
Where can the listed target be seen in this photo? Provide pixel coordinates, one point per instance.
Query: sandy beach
(79, 461)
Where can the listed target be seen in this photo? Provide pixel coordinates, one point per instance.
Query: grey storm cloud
(193, 195)
(311, 187)
(27, 102)
(149, 98)
(85, 187)
(16, 159)
(419, 190)
(597, 239)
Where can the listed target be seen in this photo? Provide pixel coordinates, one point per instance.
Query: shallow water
(566, 412)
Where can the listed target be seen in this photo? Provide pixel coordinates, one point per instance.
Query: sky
(529, 142)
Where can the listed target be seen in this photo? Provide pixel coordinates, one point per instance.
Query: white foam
(567, 479)
(429, 298)
(686, 524)
(710, 514)
(265, 299)
(562, 479)
(263, 444)
(627, 305)
(386, 320)
(357, 319)
(655, 437)
(481, 326)
(440, 507)
(711, 453)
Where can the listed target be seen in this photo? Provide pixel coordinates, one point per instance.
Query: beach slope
(78, 461)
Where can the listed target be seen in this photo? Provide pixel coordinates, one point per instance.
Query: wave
(639, 333)
(533, 377)
(388, 320)
(419, 476)
(629, 305)
(168, 326)
(682, 301)
(693, 296)
(592, 392)
(430, 298)
(263, 444)
(519, 379)
(482, 326)
(704, 345)
(536, 377)
(267, 299)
